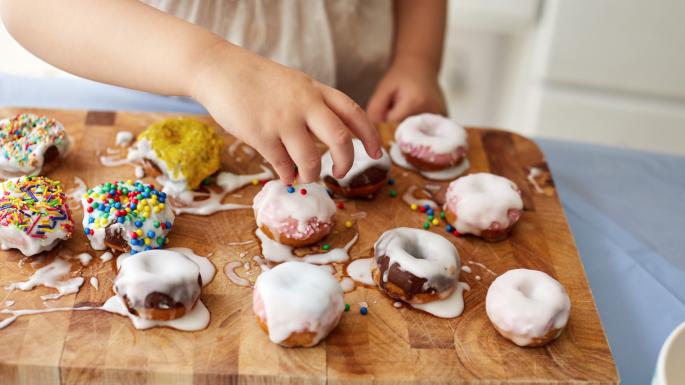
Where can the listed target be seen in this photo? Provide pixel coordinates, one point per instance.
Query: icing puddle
(448, 174)
(278, 252)
(49, 275)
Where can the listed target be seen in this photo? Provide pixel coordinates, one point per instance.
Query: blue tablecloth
(625, 209)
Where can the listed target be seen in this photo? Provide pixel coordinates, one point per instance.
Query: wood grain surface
(386, 346)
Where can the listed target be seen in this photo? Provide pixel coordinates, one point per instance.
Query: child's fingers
(274, 152)
(303, 151)
(378, 105)
(331, 130)
(400, 110)
(355, 118)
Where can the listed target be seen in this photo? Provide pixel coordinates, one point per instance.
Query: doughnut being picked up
(31, 145)
(297, 215)
(527, 307)
(415, 266)
(364, 179)
(34, 214)
(483, 204)
(184, 150)
(297, 304)
(126, 216)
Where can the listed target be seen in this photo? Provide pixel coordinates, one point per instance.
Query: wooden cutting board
(386, 346)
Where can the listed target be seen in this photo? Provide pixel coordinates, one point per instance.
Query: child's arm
(269, 106)
(410, 85)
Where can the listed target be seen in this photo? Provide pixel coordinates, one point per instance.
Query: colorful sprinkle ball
(326, 246)
(340, 205)
(291, 189)
(393, 193)
(139, 207)
(435, 221)
(254, 182)
(413, 207)
(23, 134)
(303, 191)
(426, 225)
(363, 310)
(35, 205)
(391, 182)
(348, 224)
(347, 307)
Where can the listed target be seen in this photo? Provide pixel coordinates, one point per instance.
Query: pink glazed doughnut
(294, 215)
(431, 142)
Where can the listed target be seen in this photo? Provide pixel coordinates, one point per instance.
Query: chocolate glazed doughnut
(364, 179)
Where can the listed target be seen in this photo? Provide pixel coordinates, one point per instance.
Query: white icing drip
(481, 201)
(51, 276)
(449, 307)
(408, 198)
(482, 266)
(527, 304)
(439, 133)
(229, 270)
(297, 297)
(77, 192)
(241, 243)
(397, 304)
(94, 283)
(466, 269)
(9, 303)
(277, 252)
(532, 174)
(360, 271)
(106, 256)
(478, 278)
(422, 253)
(139, 172)
(113, 161)
(359, 215)
(274, 205)
(347, 284)
(110, 151)
(84, 258)
(446, 174)
(124, 138)
(362, 162)
(197, 319)
(15, 314)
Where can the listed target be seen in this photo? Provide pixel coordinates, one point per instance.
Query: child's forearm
(121, 42)
(420, 32)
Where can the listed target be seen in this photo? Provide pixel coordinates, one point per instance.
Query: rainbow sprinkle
(139, 207)
(35, 205)
(23, 137)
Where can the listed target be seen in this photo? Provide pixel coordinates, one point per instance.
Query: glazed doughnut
(431, 142)
(34, 214)
(297, 304)
(126, 216)
(31, 145)
(364, 179)
(184, 150)
(528, 307)
(158, 285)
(294, 215)
(484, 205)
(415, 266)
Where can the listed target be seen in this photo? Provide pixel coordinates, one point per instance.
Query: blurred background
(608, 72)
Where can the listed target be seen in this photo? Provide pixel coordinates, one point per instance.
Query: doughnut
(527, 307)
(126, 216)
(34, 214)
(297, 304)
(294, 215)
(415, 266)
(431, 142)
(158, 285)
(31, 145)
(484, 205)
(184, 150)
(364, 179)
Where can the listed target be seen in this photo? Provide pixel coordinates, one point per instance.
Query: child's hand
(409, 87)
(276, 110)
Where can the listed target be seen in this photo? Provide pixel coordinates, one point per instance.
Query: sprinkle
(391, 182)
(291, 189)
(393, 193)
(455, 232)
(426, 225)
(340, 205)
(303, 191)
(435, 221)
(348, 224)
(363, 310)
(326, 246)
(413, 206)
(254, 182)
(449, 228)
(430, 217)
(442, 214)
(422, 209)
(347, 307)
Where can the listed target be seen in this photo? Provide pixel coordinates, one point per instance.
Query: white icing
(241, 243)
(408, 198)
(139, 172)
(450, 307)
(114, 161)
(532, 174)
(106, 256)
(15, 314)
(481, 201)
(274, 205)
(124, 138)
(77, 192)
(197, 319)
(277, 252)
(14, 238)
(229, 271)
(51, 275)
(423, 254)
(360, 271)
(397, 304)
(439, 133)
(298, 297)
(362, 162)
(94, 283)
(527, 304)
(466, 269)
(84, 258)
(482, 266)
(347, 284)
(446, 174)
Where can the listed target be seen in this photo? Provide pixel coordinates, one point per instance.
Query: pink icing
(425, 153)
(289, 228)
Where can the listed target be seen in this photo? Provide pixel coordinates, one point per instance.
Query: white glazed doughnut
(34, 214)
(415, 266)
(294, 215)
(28, 142)
(297, 304)
(158, 284)
(483, 204)
(365, 178)
(431, 142)
(528, 307)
